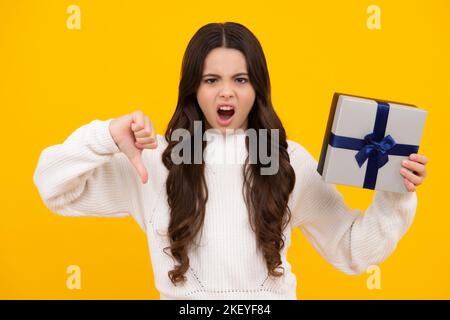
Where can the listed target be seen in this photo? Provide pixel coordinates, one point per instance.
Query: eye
(242, 80)
(210, 81)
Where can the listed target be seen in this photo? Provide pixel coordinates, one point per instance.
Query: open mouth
(225, 112)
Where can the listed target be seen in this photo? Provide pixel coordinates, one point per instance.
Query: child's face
(225, 83)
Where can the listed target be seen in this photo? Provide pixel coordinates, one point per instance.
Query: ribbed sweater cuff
(103, 137)
(401, 201)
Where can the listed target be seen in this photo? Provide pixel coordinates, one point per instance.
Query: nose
(226, 91)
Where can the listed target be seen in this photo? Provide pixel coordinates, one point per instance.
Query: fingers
(419, 158)
(409, 185)
(145, 140)
(153, 145)
(147, 131)
(139, 130)
(138, 119)
(411, 176)
(144, 132)
(136, 160)
(418, 168)
(149, 124)
(414, 170)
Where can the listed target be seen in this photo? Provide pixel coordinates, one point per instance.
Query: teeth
(226, 108)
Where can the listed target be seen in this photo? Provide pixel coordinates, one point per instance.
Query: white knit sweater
(87, 175)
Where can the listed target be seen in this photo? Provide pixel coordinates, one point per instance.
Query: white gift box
(367, 139)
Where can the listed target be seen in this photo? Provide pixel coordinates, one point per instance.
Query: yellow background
(127, 56)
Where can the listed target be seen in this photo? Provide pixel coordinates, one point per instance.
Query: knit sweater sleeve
(347, 238)
(87, 175)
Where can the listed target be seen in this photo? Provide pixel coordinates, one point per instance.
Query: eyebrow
(216, 75)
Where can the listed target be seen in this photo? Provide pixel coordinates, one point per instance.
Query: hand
(417, 171)
(132, 133)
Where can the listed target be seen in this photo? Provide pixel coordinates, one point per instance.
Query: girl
(215, 230)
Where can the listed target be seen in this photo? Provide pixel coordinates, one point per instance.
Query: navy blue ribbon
(375, 147)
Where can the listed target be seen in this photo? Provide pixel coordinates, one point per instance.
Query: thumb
(136, 160)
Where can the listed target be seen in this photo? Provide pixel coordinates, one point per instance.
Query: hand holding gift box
(373, 144)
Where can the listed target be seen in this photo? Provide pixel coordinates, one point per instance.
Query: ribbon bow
(379, 149)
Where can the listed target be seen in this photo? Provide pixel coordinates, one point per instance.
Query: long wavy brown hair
(266, 196)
